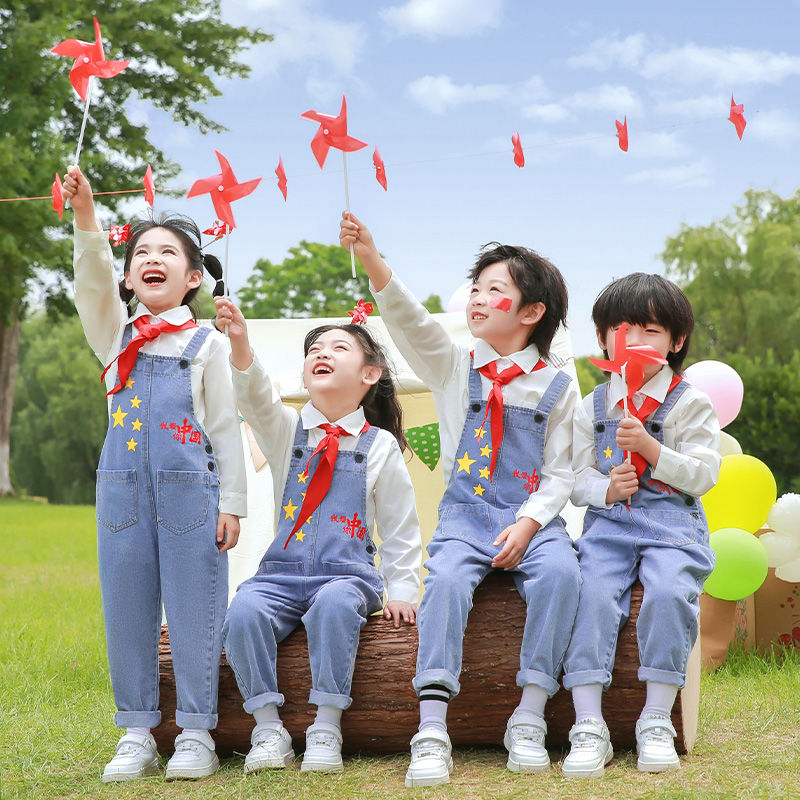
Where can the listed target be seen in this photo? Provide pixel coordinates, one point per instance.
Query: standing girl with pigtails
(171, 484)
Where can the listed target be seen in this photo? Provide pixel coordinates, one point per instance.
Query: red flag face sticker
(622, 134)
(519, 156)
(502, 303)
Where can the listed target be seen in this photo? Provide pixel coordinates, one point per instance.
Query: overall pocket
(183, 498)
(117, 496)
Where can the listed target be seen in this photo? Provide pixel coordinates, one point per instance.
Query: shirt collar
(525, 359)
(312, 417)
(175, 316)
(657, 387)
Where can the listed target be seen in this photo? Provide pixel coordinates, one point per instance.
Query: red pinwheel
(380, 169)
(149, 187)
(58, 197)
(332, 132)
(503, 303)
(89, 61)
(737, 118)
(217, 230)
(224, 189)
(281, 173)
(358, 316)
(622, 134)
(519, 156)
(119, 234)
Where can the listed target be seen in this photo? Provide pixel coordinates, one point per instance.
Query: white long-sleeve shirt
(444, 366)
(689, 460)
(390, 496)
(104, 317)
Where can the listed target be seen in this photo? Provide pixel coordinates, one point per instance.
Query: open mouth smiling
(153, 277)
(322, 369)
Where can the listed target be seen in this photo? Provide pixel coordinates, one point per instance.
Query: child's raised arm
(78, 192)
(354, 232)
(230, 317)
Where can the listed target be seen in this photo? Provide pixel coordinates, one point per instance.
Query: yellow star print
(289, 509)
(484, 473)
(302, 477)
(464, 463)
(137, 425)
(479, 433)
(119, 417)
(299, 536)
(129, 383)
(136, 402)
(479, 490)
(607, 452)
(486, 450)
(132, 444)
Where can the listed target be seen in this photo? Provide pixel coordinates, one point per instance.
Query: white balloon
(728, 446)
(789, 572)
(784, 516)
(460, 297)
(781, 549)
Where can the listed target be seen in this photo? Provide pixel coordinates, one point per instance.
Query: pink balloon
(722, 384)
(459, 299)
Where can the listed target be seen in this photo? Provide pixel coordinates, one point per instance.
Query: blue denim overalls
(157, 509)
(472, 514)
(325, 578)
(659, 536)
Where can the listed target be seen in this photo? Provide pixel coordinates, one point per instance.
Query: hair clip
(358, 316)
(119, 234)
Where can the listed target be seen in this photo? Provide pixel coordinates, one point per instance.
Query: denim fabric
(659, 536)
(325, 578)
(473, 512)
(157, 501)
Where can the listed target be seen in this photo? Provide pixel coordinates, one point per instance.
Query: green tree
(177, 49)
(589, 375)
(742, 275)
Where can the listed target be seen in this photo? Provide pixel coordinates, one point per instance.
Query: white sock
(330, 715)
(433, 714)
(268, 713)
(660, 699)
(202, 735)
(588, 701)
(533, 701)
(138, 731)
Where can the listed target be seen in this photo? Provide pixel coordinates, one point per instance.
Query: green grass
(56, 706)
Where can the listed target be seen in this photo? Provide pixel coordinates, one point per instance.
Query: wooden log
(385, 713)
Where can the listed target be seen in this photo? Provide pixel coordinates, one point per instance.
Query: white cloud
(439, 93)
(656, 144)
(697, 173)
(617, 99)
(434, 18)
(546, 112)
(303, 33)
(777, 128)
(611, 51)
(703, 107)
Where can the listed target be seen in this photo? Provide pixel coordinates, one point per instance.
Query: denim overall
(659, 536)
(472, 514)
(325, 578)
(157, 509)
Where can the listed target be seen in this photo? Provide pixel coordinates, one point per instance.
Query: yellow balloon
(743, 496)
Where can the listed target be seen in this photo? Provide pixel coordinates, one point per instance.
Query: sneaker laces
(428, 747)
(191, 745)
(657, 734)
(128, 748)
(584, 740)
(267, 736)
(522, 732)
(321, 739)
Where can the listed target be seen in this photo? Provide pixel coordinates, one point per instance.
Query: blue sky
(441, 85)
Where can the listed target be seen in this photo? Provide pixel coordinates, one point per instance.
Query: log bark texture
(385, 713)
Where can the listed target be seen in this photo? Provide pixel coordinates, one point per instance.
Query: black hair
(639, 299)
(380, 403)
(538, 281)
(188, 233)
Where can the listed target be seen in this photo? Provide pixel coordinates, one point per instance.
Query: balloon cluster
(782, 541)
(741, 500)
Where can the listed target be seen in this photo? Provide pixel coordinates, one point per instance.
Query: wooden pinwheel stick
(625, 402)
(85, 117)
(225, 287)
(347, 205)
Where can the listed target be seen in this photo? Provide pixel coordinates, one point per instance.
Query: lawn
(56, 730)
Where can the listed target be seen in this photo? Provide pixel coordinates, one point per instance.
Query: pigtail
(382, 407)
(126, 295)
(214, 268)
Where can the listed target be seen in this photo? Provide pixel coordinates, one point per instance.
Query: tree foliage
(742, 276)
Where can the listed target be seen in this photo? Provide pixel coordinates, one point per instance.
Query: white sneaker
(192, 758)
(323, 749)
(136, 757)
(431, 760)
(271, 748)
(655, 744)
(590, 750)
(525, 744)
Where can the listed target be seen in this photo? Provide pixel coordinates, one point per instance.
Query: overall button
(688, 500)
(655, 427)
(209, 449)
(183, 363)
(599, 427)
(370, 549)
(476, 406)
(358, 458)
(211, 465)
(298, 453)
(538, 418)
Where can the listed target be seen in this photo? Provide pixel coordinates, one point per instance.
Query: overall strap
(366, 439)
(195, 343)
(600, 399)
(553, 392)
(475, 389)
(676, 389)
(300, 434)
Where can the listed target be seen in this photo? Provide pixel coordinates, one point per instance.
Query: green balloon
(741, 564)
